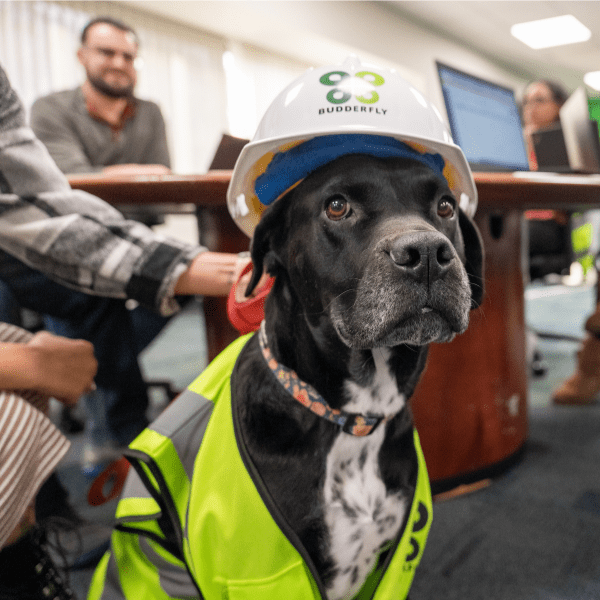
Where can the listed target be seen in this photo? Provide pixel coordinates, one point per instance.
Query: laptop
(484, 121)
(550, 150)
(227, 152)
(580, 132)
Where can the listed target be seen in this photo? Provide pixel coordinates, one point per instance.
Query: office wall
(315, 32)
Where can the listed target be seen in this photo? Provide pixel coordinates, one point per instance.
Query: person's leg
(121, 389)
(105, 322)
(10, 311)
(27, 571)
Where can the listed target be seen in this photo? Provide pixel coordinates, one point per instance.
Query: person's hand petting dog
(215, 273)
(211, 274)
(52, 365)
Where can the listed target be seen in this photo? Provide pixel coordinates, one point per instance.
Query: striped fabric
(30, 446)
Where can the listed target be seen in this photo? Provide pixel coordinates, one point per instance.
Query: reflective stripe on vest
(232, 545)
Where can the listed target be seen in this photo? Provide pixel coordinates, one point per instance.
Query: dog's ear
(474, 257)
(269, 228)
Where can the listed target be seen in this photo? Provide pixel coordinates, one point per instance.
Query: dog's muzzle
(414, 290)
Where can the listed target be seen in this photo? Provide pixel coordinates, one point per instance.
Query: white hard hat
(336, 110)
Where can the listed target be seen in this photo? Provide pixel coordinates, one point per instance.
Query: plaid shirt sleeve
(71, 236)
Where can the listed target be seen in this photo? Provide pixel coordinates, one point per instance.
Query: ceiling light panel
(556, 31)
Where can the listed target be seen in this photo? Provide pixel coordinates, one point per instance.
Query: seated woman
(549, 237)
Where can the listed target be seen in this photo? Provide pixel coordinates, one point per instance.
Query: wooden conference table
(471, 404)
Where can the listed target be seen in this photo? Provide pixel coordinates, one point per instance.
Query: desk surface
(203, 190)
(506, 191)
(523, 191)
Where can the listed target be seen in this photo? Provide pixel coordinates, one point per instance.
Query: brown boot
(584, 385)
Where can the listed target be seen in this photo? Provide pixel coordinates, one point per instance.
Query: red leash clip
(247, 316)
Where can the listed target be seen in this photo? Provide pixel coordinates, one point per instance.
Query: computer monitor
(484, 120)
(580, 133)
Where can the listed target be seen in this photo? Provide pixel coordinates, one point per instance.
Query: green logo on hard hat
(340, 94)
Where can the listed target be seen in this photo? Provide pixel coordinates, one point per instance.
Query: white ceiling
(482, 25)
(485, 26)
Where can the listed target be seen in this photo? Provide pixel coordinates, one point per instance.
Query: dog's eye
(445, 208)
(337, 208)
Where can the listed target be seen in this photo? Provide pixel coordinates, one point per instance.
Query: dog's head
(378, 247)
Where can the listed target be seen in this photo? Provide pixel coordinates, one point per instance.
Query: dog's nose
(424, 255)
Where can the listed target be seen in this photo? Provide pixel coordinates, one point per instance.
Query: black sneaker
(28, 573)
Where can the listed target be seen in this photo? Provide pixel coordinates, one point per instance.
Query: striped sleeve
(30, 448)
(83, 243)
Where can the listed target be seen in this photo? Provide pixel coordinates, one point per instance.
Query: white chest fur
(359, 513)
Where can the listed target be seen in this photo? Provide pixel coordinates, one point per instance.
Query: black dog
(373, 261)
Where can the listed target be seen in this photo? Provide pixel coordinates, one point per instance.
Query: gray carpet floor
(533, 534)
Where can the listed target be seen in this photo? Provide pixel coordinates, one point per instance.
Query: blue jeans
(118, 336)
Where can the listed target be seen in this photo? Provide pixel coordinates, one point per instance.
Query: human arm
(101, 253)
(81, 143)
(52, 365)
(211, 274)
(50, 121)
(80, 240)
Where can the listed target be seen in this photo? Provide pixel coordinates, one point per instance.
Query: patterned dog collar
(352, 423)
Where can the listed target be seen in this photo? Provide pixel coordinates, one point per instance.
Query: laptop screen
(227, 152)
(484, 121)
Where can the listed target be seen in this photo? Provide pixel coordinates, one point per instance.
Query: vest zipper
(394, 546)
(266, 497)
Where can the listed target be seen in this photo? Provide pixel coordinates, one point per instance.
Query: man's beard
(109, 90)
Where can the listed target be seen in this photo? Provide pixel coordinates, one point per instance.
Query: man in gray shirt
(101, 126)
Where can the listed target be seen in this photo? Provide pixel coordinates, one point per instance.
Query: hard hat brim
(241, 199)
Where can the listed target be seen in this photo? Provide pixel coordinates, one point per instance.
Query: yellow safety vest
(193, 522)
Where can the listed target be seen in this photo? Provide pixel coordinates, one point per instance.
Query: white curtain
(38, 42)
